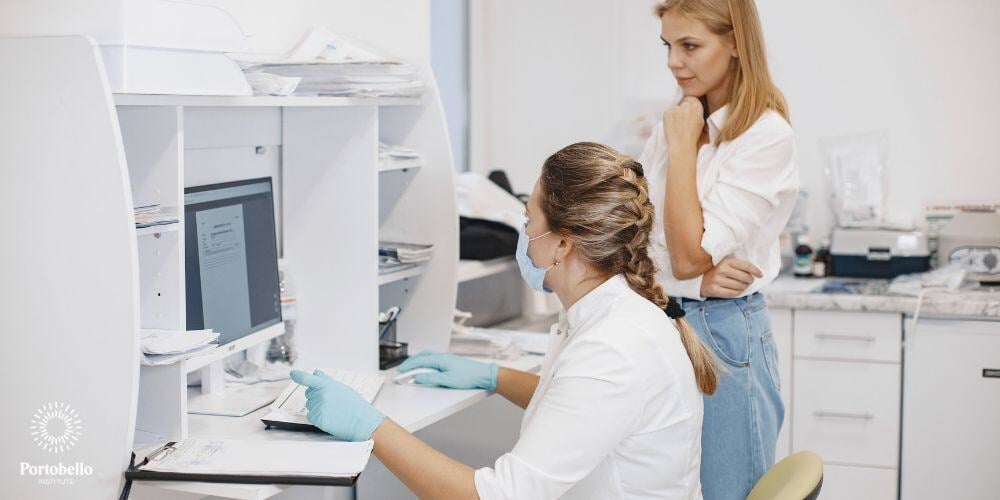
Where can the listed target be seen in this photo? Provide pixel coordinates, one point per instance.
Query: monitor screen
(231, 258)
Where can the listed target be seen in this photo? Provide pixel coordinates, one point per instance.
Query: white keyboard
(293, 398)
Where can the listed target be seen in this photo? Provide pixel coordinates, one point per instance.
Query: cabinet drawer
(847, 411)
(851, 483)
(848, 335)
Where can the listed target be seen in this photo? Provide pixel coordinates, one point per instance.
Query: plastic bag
(856, 167)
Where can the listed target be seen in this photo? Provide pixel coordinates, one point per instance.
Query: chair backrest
(797, 477)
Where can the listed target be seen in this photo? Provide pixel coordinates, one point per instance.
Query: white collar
(584, 309)
(716, 121)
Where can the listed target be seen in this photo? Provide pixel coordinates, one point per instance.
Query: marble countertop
(872, 295)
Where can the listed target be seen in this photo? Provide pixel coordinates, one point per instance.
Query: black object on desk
(390, 352)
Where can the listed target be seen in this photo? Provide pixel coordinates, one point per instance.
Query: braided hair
(599, 198)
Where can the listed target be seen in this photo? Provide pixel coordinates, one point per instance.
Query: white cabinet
(846, 394)
(855, 483)
(848, 412)
(781, 327)
(950, 408)
(848, 335)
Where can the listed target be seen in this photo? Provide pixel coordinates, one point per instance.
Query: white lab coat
(747, 188)
(617, 412)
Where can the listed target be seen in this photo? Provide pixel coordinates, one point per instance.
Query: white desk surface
(411, 406)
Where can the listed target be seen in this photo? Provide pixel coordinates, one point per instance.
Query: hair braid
(599, 198)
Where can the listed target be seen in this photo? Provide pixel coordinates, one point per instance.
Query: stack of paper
(330, 64)
(161, 347)
(155, 215)
(395, 156)
(405, 253)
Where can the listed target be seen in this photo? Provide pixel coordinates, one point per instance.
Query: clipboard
(135, 473)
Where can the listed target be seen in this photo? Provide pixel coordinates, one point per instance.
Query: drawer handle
(850, 338)
(843, 414)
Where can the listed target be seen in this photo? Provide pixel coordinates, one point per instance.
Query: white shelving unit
(155, 230)
(411, 272)
(387, 167)
(333, 205)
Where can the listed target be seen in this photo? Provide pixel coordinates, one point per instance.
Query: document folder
(322, 463)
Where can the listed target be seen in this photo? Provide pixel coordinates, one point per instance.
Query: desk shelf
(385, 279)
(154, 230)
(257, 101)
(387, 167)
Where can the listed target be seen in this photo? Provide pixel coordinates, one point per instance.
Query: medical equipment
(972, 239)
(878, 253)
(535, 276)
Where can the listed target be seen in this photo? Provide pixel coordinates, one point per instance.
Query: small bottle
(803, 258)
(820, 265)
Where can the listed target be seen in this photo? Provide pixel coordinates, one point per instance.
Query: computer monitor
(231, 258)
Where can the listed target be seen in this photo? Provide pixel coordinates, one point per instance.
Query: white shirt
(617, 412)
(747, 188)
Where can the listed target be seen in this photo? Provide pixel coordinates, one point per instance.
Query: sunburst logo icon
(56, 427)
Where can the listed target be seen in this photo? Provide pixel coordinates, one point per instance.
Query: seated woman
(617, 410)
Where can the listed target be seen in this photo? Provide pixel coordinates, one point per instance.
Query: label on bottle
(819, 269)
(803, 265)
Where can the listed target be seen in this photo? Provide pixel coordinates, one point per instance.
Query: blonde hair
(598, 198)
(751, 91)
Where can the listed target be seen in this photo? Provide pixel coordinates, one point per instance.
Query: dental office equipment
(972, 240)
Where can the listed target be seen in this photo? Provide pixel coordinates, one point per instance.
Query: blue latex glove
(455, 372)
(337, 409)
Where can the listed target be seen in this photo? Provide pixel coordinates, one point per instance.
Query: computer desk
(411, 406)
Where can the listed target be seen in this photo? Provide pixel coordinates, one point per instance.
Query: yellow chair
(797, 477)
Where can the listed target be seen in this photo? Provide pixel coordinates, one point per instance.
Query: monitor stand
(215, 397)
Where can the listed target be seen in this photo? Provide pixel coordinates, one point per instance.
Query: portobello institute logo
(56, 427)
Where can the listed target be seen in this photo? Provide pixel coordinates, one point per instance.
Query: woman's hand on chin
(683, 124)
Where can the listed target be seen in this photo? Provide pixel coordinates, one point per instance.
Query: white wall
(928, 72)
(401, 27)
(546, 74)
(555, 72)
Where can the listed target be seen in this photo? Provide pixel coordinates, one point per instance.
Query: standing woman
(616, 412)
(722, 176)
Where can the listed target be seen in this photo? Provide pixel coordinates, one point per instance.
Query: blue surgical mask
(535, 276)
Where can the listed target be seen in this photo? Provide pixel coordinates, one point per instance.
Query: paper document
(405, 253)
(262, 458)
(155, 215)
(166, 359)
(330, 64)
(155, 341)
